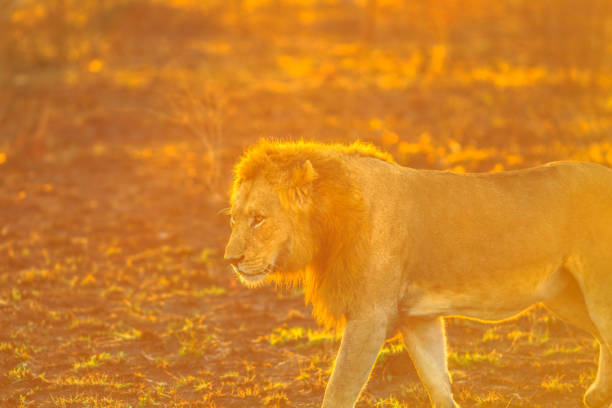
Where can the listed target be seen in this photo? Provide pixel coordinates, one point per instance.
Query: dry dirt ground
(119, 124)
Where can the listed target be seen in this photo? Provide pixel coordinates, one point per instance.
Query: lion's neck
(340, 226)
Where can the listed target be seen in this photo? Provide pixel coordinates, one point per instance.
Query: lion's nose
(234, 260)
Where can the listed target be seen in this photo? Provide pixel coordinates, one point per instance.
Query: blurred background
(120, 121)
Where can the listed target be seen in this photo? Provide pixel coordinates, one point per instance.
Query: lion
(381, 249)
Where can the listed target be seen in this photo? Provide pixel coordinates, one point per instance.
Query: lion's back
(591, 210)
(438, 218)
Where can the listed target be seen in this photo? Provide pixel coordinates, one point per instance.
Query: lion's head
(297, 217)
(270, 230)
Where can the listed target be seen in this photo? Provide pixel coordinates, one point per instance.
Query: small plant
(533, 337)
(390, 349)
(284, 335)
(556, 383)
(200, 385)
(319, 338)
(491, 335)
(231, 376)
(538, 337)
(20, 372)
(129, 334)
(93, 379)
(193, 345)
(147, 400)
(489, 398)
(97, 360)
(277, 399)
(82, 400)
(587, 377)
(390, 402)
(515, 335)
(210, 291)
(33, 275)
(562, 350)
(16, 295)
(467, 359)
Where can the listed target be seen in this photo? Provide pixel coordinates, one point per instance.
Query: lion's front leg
(426, 343)
(361, 342)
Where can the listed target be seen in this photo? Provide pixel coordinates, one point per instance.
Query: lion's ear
(305, 175)
(302, 183)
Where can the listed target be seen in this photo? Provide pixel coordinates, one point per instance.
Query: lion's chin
(250, 279)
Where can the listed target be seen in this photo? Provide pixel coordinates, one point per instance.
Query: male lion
(381, 248)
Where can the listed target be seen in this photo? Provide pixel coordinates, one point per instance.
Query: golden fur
(382, 248)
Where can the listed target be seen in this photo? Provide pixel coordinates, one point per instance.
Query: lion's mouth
(243, 273)
(249, 275)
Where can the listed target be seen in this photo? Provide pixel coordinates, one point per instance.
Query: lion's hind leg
(575, 307)
(599, 394)
(598, 299)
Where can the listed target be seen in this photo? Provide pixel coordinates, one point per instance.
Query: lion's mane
(334, 250)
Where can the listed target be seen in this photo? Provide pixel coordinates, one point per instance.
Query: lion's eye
(257, 221)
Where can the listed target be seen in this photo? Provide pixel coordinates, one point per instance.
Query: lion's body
(487, 245)
(389, 248)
